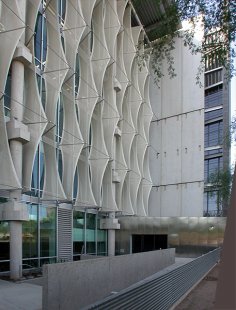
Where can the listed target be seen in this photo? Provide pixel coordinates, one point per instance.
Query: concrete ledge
(78, 284)
(115, 177)
(117, 132)
(22, 54)
(109, 223)
(17, 131)
(13, 211)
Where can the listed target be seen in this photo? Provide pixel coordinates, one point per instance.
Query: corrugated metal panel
(65, 234)
(148, 11)
(163, 291)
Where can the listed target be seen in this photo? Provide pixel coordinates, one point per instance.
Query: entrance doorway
(145, 243)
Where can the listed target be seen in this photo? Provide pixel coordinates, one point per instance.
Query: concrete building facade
(177, 136)
(75, 117)
(82, 127)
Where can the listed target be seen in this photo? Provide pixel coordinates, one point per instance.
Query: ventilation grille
(65, 235)
(162, 291)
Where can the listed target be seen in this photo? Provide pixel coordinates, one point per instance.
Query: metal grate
(65, 234)
(162, 291)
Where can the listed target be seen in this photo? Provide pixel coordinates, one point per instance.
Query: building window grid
(211, 203)
(214, 114)
(212, 166)
(212, 62)
(93, 240)
(39, 236)
(214, 96)
(213, 131)
(214, 77)
(214, 134)
(212, 207)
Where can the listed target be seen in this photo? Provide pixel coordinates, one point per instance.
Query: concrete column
(15, 250)
(14, 211)
(111, 242)
(16, 147)
(17, 97)
(111, 237)
(110, 224)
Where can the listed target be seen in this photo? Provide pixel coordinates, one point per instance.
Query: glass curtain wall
(39, 233)
(30, 238)
(214, 132)
(78, 234)
(87, 237)
(4, 246)
(101, 239)
(39, 236)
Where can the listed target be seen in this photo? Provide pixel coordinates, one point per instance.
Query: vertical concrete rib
(16, 148)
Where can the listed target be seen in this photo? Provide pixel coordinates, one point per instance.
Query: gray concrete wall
(177, 139)
(78, 284)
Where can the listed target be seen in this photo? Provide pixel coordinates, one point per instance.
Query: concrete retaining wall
(77, 284)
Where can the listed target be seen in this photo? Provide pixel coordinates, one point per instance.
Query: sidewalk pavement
(28, 295)
(20, 296)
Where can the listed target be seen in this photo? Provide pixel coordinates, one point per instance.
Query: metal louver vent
(65, 234)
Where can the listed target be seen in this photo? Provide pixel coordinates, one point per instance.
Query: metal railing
(163, 291)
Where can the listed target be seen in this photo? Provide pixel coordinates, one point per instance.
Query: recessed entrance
(145, 243)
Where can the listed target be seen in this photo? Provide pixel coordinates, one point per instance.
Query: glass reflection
(87, 237)
(101, 240)
(4, 241)
(37, 180)
(78, 233)
(30, 233)
(40, 40)
(47, 217)
(91, 233)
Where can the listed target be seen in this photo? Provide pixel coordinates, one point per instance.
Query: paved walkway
(20, 296)
(28, 295)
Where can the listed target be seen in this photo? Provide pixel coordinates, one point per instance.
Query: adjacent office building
(86, 137)
(217, 132)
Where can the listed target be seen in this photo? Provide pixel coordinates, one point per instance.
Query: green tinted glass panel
(101, 240)
(47, 231)
(4, 241)
(90, 233)
(30, 233)
(78, 232)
